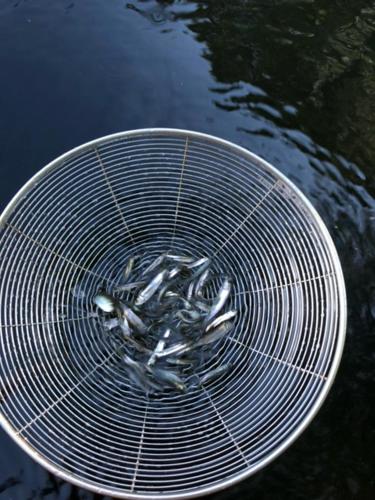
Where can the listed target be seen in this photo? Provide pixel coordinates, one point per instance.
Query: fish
(130, 286)
(171, 294)
(125, 327)
(105, 302)
(159, 346)
(173, 272)
(169, 378)
(110, 324)
(199, 262)
(182, 259)
(215, 334)
(138, 375)
(220, 300)
(162, 292)
(179, 348)
(220, 319)
(201, 282)
(140, 347)
(133, 318)
(151, 288)
(129, 267)
(184, 313)
(202, 306)
(201, 269)
(179, 361)
(154, 264)
(190, 290)
(211, 375)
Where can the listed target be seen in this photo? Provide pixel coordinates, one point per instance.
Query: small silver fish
(135, 343)
(173, 272)
(220, 319)
(215, 334)
(186, 303)
(129, 267)
(159, 347)
(138, 375)
(188, 316)
(201, 282)
(175, 349)
(170, 294)
(105, 302)
(169, 378)
(202, 306)
(130, 286)
(179, 361)
(190, 291)
(154, 264)
(198, 263)
(163, 291)
(110, 324)
(180, 258)
(125, 327)
(151, 288)
(215, 373)
(220, 300)
(201, 269)
(133, 318)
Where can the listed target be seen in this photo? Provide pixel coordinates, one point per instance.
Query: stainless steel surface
(64, 398)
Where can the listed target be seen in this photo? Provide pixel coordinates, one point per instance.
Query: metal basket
(70, 230)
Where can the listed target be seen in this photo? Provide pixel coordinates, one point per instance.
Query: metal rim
(341, 295)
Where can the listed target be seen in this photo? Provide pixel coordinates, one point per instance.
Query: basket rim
(342, 319)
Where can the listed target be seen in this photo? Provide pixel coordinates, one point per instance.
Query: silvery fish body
(198, 263)
(220, 319)
(105, 302)
(202, 306)
(154, 264)
(159, 346)
(173, 272)
(211, 375)
(201, 269)
(130, 286)
(110, 324)
(179, 361)
(133, 318)
(170, 378)
(201, 282)
(220, 300)
(215, 334)
(138, 374)
(129, 267)
(125, 327)
(186, 303)
(162, 292)
(188, 316)
(179, 348)
(180, 258)
(190, 291)
(151, 288)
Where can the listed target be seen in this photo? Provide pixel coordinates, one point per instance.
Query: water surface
(292, 81)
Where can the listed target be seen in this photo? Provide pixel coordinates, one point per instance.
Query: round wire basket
(70, 230)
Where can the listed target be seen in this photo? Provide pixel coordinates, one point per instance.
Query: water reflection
(295, 79)
(305, 65)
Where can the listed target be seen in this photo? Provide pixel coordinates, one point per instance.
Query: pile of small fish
(168, 324)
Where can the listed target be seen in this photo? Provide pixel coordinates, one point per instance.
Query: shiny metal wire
(64, 397)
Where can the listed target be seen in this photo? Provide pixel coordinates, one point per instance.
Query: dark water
(291, 80)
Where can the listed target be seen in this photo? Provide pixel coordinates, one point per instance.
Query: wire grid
(65, 397)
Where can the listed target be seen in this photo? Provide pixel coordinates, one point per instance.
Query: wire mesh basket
(70, 230)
